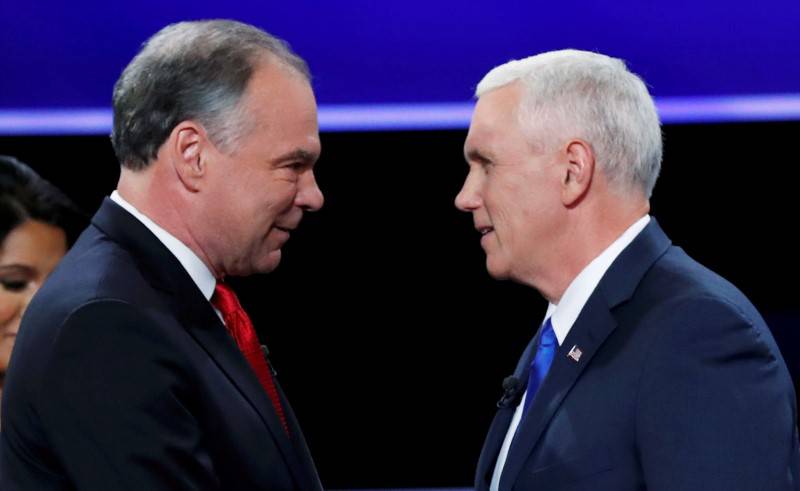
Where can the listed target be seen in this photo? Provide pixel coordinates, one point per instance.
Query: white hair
(580, 94)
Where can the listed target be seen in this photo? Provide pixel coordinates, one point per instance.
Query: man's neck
(583, 241)
(142, 189)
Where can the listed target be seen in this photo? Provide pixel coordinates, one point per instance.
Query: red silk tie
(241, 329)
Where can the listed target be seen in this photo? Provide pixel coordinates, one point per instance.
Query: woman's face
(27, 255)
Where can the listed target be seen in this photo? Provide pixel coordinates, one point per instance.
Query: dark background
(388, 335)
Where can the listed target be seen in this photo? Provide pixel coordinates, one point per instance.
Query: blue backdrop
(67, 55)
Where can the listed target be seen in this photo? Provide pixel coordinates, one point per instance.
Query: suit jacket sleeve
(122, 408)
(712, 411)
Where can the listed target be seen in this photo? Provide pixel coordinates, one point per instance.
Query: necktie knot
(237, 322)
(548, 337)
(225, 300)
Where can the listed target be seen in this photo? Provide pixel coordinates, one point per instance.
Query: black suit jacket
(679, 387)
(123, 377)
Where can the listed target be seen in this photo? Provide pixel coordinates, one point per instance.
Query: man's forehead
(496, 108)
(280, 97)
(494, 112)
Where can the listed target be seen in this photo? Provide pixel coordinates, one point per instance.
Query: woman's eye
(14, 285)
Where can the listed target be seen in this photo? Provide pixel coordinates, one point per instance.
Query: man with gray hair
(649, 371)
(137, 368)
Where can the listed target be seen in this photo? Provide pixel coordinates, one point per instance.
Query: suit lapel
(590, 330)
(310, 478)
(210, 333)
(491, 447)
(197, 315)
(502, 420)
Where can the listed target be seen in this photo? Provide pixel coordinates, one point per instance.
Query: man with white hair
(649, 371)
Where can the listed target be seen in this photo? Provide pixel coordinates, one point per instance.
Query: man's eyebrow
(298, 154)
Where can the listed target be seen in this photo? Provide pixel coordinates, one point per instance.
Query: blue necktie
(545, 352)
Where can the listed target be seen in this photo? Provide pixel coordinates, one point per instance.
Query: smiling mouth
(485, 230)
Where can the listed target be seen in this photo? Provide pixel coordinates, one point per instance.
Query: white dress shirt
(563, 316)
(196, 268)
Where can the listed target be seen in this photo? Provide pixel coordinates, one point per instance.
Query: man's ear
(578, 173)
(189, 144)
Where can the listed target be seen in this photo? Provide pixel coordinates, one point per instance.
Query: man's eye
(14, 285)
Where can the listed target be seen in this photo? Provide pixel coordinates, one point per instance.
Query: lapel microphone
(265, 350)
(512, 393)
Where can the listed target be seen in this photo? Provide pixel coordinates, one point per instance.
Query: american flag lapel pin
(575, 354)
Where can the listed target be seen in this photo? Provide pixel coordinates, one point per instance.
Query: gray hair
(191, 70)
(580, 94)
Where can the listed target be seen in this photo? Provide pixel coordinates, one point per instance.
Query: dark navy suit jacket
(123, 377)
(679, 387)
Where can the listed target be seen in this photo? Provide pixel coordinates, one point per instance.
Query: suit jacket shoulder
(124, 378)
(675, 363)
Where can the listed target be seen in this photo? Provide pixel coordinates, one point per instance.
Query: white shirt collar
(578, 292)
(196, 268)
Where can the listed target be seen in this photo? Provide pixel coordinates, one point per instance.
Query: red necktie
(241, 329)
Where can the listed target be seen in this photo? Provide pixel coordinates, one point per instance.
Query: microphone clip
(512, 393)
(265, 350)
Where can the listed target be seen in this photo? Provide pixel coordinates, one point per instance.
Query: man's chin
(268, 263)
(263, 264)
(495, 269)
